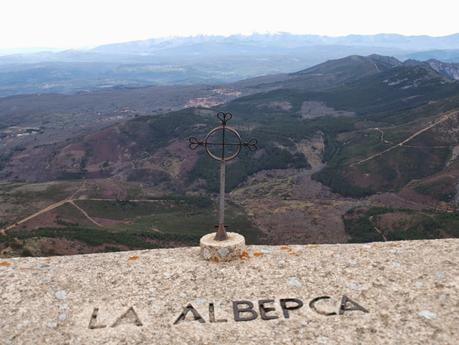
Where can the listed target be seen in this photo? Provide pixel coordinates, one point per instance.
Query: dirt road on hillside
(442, 119)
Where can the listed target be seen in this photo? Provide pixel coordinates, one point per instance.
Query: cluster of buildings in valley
(17, 131)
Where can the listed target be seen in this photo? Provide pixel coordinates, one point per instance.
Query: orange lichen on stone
(244, 255)
(134, 257)
(257, 254)
(215, 259)
(289, 250)
(5, 263)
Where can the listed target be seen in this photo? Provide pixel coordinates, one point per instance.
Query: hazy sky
(79, 23)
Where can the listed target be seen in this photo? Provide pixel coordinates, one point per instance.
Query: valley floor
(274, 207)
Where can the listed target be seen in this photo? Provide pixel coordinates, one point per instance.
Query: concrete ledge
(378, 293)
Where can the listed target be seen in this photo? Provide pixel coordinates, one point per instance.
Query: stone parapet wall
(377, 293)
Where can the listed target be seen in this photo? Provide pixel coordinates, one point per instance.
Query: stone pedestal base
(227, 250)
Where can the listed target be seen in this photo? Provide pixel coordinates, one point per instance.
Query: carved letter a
(186, 310)
(347, 304)
(130, 316)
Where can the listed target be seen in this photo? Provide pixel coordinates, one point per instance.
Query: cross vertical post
(221, 231)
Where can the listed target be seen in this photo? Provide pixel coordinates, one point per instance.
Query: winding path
(378, 230)
(442, 119)
(70, 200)
(36, 214)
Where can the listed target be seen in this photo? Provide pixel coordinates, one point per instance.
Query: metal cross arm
(195, 143)
(223, 143)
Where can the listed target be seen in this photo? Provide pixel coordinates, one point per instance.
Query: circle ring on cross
(238, 144)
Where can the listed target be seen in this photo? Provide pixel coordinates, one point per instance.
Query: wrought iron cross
(223, 143)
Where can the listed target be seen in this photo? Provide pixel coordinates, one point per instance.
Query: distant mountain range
(266, 42)
(202, 60)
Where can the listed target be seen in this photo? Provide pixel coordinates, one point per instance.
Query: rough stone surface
(410, 289)
(231, 249)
